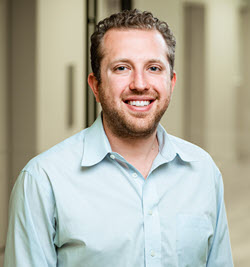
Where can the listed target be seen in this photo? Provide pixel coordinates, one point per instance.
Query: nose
(139, 81)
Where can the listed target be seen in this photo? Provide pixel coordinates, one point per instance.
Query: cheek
(112, 91)
(118, 84)
(161, 85)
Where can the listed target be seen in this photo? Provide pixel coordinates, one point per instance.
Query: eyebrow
(125, 60)
(120, 60)
(156, 61)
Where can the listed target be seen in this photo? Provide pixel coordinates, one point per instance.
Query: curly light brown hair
(129, 19)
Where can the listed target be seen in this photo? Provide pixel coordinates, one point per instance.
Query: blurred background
(44, 97)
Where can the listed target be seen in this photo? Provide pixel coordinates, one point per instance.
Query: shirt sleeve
(220, 252)
(32, 223)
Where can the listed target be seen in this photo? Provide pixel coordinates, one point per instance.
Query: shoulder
(200, 163)
(61, 153)
(196, 155)
(189, 150)
(37, 174)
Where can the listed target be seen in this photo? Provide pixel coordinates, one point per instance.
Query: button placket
(151, 224)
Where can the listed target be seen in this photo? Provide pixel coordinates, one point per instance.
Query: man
(122, 192)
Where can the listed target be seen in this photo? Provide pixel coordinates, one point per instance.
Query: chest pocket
(192, 240)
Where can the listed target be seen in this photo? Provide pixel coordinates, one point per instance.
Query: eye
(154, 68)
(120, 68)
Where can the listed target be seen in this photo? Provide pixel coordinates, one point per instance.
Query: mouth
(136, 103)
(139, 105)
(139, 102)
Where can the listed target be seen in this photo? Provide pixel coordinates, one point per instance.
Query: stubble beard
(122, 126)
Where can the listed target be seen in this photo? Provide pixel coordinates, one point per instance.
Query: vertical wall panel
(23, 83)
(90, 103)
(60, 47)
(194, 77)
(222, 70)
(4, 142)
(243, 96)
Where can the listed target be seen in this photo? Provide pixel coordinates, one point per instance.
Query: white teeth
(139, 103)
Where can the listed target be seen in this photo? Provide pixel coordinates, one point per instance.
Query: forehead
(133, 42)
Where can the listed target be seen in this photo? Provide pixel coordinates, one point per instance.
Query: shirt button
(152, 253)
(112, 156)
(134, 175)
(150, 212)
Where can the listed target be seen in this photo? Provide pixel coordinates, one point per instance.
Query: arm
(31, 229)
(220, 252)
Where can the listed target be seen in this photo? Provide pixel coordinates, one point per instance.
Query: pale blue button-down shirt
(81, 205)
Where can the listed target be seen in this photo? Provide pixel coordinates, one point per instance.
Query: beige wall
(222, 73)
(60, 44)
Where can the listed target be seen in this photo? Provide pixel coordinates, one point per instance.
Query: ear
(93, 83)
(173, 81)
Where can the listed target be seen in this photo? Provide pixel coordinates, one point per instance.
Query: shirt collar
(170, 147)
(96, 145)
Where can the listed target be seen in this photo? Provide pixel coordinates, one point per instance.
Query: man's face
(135, 87)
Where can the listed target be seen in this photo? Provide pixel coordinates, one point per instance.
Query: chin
(137, 130)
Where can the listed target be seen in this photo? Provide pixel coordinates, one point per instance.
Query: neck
(139, 152)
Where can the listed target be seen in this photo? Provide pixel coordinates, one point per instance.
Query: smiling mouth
(138, 103)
